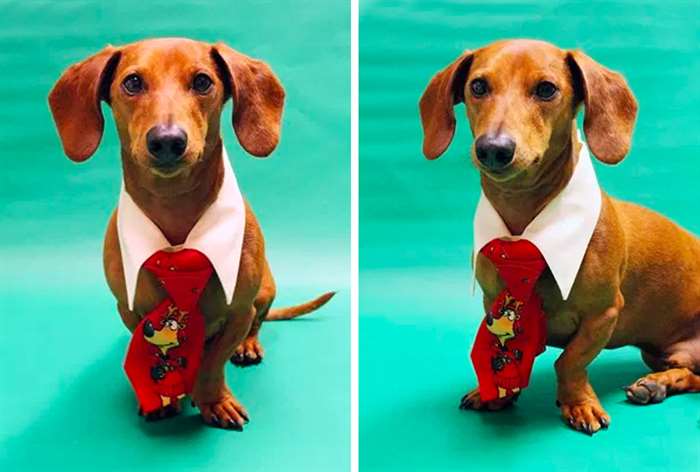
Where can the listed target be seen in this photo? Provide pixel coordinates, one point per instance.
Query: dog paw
(225, 413)
(472, 401)
(249, 352)
(588, 417)
(169, 411)
(645, 391)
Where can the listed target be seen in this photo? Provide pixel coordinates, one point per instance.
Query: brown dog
(639, 282)
(168, 94)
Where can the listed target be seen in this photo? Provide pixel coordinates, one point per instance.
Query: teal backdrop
(418, 314)
(66, 402)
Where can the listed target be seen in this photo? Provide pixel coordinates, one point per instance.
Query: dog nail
(192, 403)
(558, 403)
(215, 419)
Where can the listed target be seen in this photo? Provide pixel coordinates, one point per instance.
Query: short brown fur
(639, 283)
(175, 201)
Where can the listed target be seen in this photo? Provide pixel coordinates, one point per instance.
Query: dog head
(166, 96)
(521, 97)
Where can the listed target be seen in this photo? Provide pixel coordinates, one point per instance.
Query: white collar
(218, 234)
(561, 231)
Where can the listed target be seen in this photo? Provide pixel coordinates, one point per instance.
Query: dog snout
(167, 144)
(495, 151)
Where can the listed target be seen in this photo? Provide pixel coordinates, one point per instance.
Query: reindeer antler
(174, 313)
(182, 318)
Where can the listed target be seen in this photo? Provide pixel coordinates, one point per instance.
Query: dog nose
(166, 143)
(148, 330)
(495, 151)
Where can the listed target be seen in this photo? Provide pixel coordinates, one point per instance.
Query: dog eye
(133, 84)
(201, 83)
(479, 87)
(545, 90)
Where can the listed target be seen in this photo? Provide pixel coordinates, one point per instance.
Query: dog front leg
(217, 405)
(579, 404)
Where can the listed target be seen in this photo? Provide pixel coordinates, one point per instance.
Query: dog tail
(288, 313)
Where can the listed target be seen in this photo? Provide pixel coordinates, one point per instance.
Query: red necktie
(166, 347)
(513, 332)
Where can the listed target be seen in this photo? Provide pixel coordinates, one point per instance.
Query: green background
(66, 402)
(418, 314)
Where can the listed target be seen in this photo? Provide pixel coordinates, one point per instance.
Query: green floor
(418, 314)
(66, 403)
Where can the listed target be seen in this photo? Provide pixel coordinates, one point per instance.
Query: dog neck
(520, 200)
(176, 204)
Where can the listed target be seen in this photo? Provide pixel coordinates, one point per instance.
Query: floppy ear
(444, 91)
(611, 109)
(258, 99)
(75, 103)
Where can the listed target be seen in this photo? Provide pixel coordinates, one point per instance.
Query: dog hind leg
(677, 372)
(250, 351)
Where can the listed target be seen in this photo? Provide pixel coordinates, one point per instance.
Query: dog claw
(250, 352)
(215, 419)
(468, 404)
(557, 403)
(236, 359)
(604, 423)
(234, 425)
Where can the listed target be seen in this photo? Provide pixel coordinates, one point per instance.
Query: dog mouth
(506, 173)
(167, 171)
(498, 175)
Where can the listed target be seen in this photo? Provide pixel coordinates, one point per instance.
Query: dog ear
(258, 99)
(611, 108)
(75, 103)
(445, 90)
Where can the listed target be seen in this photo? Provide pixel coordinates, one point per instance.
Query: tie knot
(182, 261)
(502, 251)
(519, 264)
(184, 274)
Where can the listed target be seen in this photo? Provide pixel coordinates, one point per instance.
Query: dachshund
(639, 281)
(166, 96)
